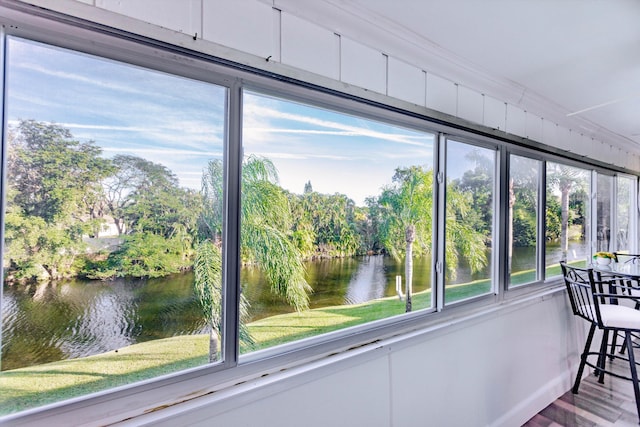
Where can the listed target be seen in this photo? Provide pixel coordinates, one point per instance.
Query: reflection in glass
(623, 206)
(469, 220)
(104, 218)
(567, 217)
(332, 205)
(604, 199)
(523, 220)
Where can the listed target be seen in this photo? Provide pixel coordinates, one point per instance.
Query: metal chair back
(580, 285)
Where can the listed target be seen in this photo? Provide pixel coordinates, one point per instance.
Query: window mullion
(439, 222)
(231, 251)
(541, 233)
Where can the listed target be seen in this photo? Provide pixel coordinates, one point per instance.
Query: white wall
(496, 368)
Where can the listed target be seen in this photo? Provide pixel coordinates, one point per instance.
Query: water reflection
(76, 318)
(51, 322)
(368, 282)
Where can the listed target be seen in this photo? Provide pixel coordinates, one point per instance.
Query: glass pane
(623, 213)
(567, 217)
(523, 213)
(469, 222)
(329, 203)
(105, 216)
(604, 199)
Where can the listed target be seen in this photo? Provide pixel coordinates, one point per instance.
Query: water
(76, 318)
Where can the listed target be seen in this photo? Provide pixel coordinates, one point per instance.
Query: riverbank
(74, 377)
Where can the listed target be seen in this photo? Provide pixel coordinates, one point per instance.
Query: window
(604, 213)
(624, 214)
(567, 216)
(336, 217)
(469, 220)
(105, 214)
(523, 242)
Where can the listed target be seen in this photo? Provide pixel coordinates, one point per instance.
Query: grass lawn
(38, 385)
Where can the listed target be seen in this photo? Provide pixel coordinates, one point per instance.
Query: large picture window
(336, 220)
(110, 200)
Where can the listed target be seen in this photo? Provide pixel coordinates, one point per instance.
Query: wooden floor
(608, 404)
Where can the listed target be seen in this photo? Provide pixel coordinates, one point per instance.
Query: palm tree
(265, 240)
(406, 207)
(406, 217)
(565, 179)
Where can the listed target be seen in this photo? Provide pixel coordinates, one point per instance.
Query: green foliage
(524, 227)
(462, 239)
(37, 250)
(51, 173)
(207, 268)
(329, 220)
(147, 255)
(408, 202)
(143, 196)
(52, 181)
(553, 218)
(266, 226)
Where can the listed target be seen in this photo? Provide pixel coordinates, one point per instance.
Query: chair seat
(619, 316)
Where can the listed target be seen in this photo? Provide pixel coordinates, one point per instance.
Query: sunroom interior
(286, 212)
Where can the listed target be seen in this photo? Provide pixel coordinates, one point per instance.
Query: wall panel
(516, 120)
(242, 24)
(533, 127)
(470, 105)
(363, 66)
(442, 94)
(563, 138)
(309, 47)
(184, 16)
(495, 113)
(549, 132)
(406, 82)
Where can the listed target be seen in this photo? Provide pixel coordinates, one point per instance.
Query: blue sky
(179, 123)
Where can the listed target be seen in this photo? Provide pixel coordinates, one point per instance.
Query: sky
(179, 122)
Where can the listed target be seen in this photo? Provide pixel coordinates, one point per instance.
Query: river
(76, 318)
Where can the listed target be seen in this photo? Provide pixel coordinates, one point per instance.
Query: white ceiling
(582, 56)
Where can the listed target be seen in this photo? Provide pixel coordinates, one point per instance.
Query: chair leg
(634, 372)
(602, 357)
(614, 342)
(583, 359)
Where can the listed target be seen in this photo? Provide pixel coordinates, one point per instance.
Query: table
(628, 269)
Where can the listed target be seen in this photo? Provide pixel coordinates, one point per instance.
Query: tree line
(61, 191)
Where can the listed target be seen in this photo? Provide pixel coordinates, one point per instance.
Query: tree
(330, 220)
(564, 179)
(265, 236)
(523, 204)
(207, 269)
(407, 205)
(404, 215)
(52, 184)
(144, 196)
(52, 173)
